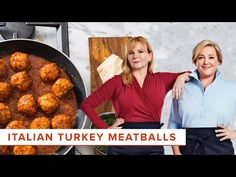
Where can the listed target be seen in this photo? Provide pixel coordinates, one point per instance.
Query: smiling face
(207, 62)
(139, 57)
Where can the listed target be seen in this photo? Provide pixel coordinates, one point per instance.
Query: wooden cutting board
(99, 49)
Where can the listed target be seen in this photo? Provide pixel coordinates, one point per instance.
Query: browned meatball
(27, 105)
(22, 81)
(24, 150)
(48, 103)
(4, 150)
(47, 150)
(18, 124)
(19, 61)
(40, 123)
(61, 87)
(5, 114)
(49, 72)
(3, 68)
(5, 91)
(61, 121)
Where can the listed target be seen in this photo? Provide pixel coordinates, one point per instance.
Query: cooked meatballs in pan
(27, 105)
(22, 81)
(20, 61)
(61, 121)
(49, 72)
(40, 123)
(24, 150)
(5, 91)
(34, 94)
(49, 103)
(18, 124)
(61, 87)
(5, 114)
(3, 68)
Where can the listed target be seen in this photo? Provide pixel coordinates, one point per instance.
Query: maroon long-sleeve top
(132, 103)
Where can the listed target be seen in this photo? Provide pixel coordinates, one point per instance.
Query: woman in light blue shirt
(206, 107)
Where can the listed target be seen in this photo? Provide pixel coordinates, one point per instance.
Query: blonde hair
(197, 49)
(127, 76)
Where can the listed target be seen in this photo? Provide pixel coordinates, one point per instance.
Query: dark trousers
(137, 150)
(203, 141)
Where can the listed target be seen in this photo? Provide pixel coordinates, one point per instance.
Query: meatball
(49, 72)
(5, 91)
(61, 87)
(3, 68)
(40, 123)
(22, 81)
(19, 61)
(18, 124)
(4, 114)
(24, 150)
(61, 121)
(47, 150)
(4, 150)
(48, 103)
(27, 105)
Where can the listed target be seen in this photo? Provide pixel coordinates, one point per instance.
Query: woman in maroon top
(137, 95)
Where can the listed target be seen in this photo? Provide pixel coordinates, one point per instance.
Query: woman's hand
(179, 85)
(176, 150)
(177, 153)
(116, 124)
(225, 133)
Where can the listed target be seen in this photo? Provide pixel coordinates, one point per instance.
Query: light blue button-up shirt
(210, 108)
